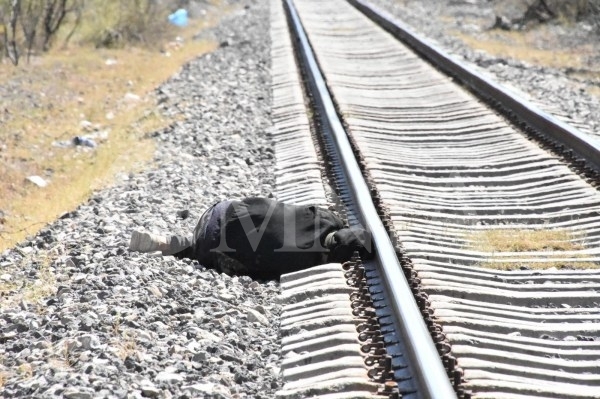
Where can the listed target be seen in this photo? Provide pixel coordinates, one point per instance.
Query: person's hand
(348, 240)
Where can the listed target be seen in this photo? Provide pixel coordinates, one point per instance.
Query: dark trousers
(201, 244)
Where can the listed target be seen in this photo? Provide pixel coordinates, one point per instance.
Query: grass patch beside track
(520, 240)
(79, 91)
(517, 45)
(531, 249)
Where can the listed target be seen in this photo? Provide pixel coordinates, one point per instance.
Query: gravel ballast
(82, 317)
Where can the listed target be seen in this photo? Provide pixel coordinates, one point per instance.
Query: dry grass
(544, 244)
(594, 91)
(42, 287)
(25, 370)
(57, 93)
(528, 47)
(518, 240)
(17, 291)
(123, 341)
(127, 348)
(7, 288)
(4, 376)
(524, 46)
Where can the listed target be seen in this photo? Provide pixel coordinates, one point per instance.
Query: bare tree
(55, 12)
(31, 14)
(10, 32)
(77, 8)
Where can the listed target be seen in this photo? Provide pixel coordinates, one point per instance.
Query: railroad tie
(321, 352)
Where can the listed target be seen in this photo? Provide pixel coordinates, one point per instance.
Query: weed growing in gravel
(6, 288)
(123, 342)
(25, 370)
(510, 248)
(67, 353)
(42, 287)
(15, 291)
(59, 364)
(127, 348)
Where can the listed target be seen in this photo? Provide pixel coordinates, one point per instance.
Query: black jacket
(271, 238)
(266, 238)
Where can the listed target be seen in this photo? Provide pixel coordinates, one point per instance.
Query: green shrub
(104, 23)
(117, 23)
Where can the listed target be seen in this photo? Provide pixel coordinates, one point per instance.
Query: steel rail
(583, 145)
(431, 378)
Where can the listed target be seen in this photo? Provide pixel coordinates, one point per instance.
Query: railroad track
(442, 169)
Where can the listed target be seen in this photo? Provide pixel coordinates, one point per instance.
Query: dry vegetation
(548, 245)
(545, 33)
(82, 90)
(524, 45)
(518, 240)
(16, 291)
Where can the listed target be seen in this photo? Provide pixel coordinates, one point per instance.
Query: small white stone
(169, 375)
(255, 316)
(155, 291)
(149, 389)
(38, 181)
(131, 98)
(78, 393)
(203, 335)
(207, 389)
(86, 125)
(89, 341)
(225, 296)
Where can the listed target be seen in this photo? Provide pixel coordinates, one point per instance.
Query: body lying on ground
(261, 238)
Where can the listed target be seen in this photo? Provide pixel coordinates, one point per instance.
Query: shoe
(142, 241)
(330, 240)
